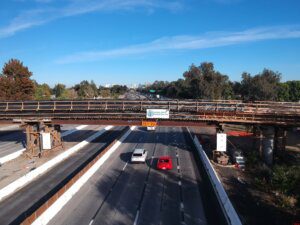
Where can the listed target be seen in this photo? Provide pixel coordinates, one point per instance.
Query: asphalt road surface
(11, 141)
(121, 193)
(13, 209)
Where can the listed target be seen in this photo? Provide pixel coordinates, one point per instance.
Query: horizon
(135, 42)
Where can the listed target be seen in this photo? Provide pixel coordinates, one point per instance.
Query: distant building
(132, 86)
(108, 85)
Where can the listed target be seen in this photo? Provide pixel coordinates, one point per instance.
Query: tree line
(204, 82)
(198, 82)
(16, 84)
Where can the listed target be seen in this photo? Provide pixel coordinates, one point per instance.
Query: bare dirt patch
(256, 202)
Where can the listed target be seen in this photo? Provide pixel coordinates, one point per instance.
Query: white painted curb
(11, 156)
(22, 181)
(73, 130)
(16, 154)
(228, 209)
(62, 200)
(10, 127)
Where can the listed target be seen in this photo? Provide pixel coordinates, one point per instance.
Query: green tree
(15, 82)
(71, 93)
(118, 89)
(294, 90)
(104, 92)
(42, 92)
(283, 92)
(86, 89)
(207, 83)
(59, 91)
(263, 86)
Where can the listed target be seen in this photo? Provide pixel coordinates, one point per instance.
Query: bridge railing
(133, 105)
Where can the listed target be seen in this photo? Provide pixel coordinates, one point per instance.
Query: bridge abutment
(40, 138)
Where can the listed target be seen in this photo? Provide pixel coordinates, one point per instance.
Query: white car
(139, 155)
(150, 128)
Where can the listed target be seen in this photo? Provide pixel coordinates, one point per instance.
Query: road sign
(46, 141)
(149, 123)
(221, 142)
(152, 91)
(158, 114)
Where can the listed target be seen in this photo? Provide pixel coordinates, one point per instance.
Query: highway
(122, 193)
(27, 199)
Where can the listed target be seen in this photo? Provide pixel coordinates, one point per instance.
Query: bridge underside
(131, 121)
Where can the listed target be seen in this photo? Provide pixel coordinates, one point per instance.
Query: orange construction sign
(149, 123)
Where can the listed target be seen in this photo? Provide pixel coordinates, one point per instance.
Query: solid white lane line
(136, 217)
(11, 156)
(181, 206)
(125, 166)
(66, 133)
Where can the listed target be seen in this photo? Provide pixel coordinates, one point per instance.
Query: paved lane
(12, 208)
(124, 193)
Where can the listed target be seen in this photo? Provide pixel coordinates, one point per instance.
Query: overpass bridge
(269, 118)
(132, 112)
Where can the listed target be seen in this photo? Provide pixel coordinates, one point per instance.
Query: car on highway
(240, 162)
(150, 128)
(139, 155)
(164, 163)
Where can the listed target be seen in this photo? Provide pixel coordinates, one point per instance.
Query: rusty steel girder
(132, 112)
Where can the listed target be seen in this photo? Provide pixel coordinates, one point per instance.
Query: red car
(164, 163)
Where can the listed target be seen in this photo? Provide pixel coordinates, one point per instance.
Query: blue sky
(137, 41)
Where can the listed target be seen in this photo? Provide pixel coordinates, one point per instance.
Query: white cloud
(209, 40)
(48, 12)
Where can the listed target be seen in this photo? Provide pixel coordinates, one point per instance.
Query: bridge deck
(132, 112)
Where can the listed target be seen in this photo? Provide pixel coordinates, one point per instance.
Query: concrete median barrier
(228, 210)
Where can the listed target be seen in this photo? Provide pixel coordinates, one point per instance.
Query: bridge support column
(258, 138)
(219, 128)
(264, 143)
(34, 138)
(280, 139)
(268, 145)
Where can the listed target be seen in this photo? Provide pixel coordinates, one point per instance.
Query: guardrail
(133, 105)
